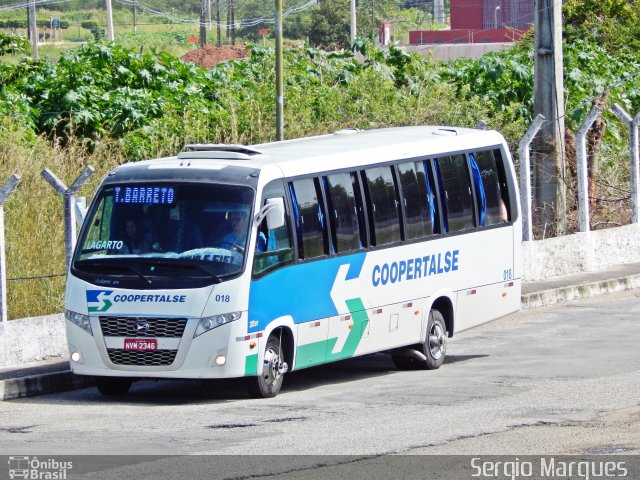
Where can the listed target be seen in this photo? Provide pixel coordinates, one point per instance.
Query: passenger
(135, 241)
(504, 214)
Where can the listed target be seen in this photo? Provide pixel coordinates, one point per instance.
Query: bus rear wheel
(268, 384)
(113, 386)
(433, 349)
(435, 345)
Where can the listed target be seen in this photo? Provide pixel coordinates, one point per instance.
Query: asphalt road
(556, 380)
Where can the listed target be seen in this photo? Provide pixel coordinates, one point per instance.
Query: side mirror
(273, 211)
(275, 215)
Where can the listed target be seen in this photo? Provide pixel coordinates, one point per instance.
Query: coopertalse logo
(100, 301)
(41, 469)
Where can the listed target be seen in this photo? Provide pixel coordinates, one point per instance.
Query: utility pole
(229, 22)
(203, 23)
(219, 40)
(353, 21)
(110, 36)
(33, 29)
(135, 12)
(233, 22)
(438, 11)
(373, 21)
(279, 74)
(208, 14)
(550, 197)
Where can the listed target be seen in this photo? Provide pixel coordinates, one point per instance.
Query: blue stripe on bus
(302, 291)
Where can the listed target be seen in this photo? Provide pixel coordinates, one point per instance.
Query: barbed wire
(35, 277)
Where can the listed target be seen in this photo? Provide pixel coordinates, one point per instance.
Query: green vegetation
(104, 104)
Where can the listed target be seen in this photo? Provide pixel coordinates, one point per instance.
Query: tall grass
(34, 228)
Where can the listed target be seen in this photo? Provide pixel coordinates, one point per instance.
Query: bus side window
(506, 212)
(273, 247)
(495, 207)
(311, 224)
(457, 197)
(360, 208)
(382, 205)
(341, 206)
(417, 200)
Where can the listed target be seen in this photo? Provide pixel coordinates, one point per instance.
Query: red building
(481, 21)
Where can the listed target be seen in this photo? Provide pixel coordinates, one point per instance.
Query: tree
(329, 24)
(613, 24)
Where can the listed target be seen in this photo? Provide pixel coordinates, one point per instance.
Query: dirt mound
(210, 55)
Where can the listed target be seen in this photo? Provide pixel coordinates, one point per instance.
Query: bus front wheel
(268, 384)
(113, 386)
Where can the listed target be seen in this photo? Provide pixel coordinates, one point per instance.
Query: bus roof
(342, 149)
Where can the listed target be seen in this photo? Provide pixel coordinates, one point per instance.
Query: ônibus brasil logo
(100, 300)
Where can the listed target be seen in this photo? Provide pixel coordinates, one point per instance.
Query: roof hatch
(218, 151)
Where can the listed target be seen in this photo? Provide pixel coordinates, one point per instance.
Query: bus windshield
(167, 229)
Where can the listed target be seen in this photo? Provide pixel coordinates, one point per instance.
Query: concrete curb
(45, 383)
(571, 293)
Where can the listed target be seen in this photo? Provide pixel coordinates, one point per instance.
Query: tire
(434, 348)
(268, 384)
(113, 386)
(435, 345)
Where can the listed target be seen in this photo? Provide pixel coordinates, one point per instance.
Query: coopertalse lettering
(150, 298)
(415, 268)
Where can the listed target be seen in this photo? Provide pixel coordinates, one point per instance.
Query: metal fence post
(581, 161)
(633, 124)
(525, 176)
(68, 200)
(5, 191)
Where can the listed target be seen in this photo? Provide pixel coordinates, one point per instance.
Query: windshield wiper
(112, 265)
(183, 264)
(140, 274)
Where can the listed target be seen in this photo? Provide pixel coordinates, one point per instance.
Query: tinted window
(491, 207)
(309, 216)
(383, 205)
(343, 211)
(274, 247)
(418, 200)
(456, 192)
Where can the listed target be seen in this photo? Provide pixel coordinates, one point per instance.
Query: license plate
(140, 344)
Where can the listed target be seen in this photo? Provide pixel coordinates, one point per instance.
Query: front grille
(148, 358)
(128, 327)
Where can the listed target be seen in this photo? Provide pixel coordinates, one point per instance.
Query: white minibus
(251, 261)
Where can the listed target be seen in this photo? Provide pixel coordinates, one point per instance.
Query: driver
(236, 239)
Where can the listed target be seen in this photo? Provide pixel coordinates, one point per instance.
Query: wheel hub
(437, 341)
(274, 367)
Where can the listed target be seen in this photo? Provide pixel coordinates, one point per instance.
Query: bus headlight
(79, 319)
(209, 323)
